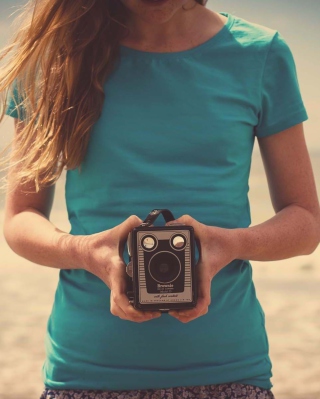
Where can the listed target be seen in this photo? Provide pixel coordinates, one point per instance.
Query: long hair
(61, 54)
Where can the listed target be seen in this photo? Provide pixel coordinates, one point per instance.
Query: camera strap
(168, 216)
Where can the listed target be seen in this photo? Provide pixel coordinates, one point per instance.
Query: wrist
(235, 243)
(227, 241)
(242, 240)
(71, 248)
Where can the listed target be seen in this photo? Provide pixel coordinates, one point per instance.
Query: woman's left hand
(216, 250)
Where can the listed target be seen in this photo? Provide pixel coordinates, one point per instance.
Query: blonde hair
(62, 52)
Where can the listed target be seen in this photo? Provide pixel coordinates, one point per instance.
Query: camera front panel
(164, 266)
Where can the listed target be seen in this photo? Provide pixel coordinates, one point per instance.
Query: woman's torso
(177, 132)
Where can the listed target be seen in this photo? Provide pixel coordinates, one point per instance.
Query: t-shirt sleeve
(12, 108)
(281, 102)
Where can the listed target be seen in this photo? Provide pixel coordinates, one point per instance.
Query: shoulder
(252, 35)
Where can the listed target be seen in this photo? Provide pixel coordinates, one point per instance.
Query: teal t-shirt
(176, 131)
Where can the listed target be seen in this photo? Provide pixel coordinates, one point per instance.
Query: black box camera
(161, 266)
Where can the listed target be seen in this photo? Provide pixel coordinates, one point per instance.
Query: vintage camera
(161, 266)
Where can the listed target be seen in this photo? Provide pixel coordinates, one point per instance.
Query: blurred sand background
(288, 289)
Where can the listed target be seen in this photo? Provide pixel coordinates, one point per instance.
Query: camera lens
(164, 267)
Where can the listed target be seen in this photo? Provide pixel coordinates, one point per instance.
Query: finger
(203, 302)
(187, 315)
(187, 220)
(185, 319)
(116, 310)
(200, 229)
(119, 301)
(130, 312)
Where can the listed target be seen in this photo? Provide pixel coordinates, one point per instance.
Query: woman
(187, 90)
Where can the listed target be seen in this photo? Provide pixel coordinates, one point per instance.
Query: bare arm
(30, 234)
(295, 229)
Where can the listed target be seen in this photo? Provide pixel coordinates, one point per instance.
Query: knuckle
(115, 297)
(203, 308)
(113, 311)
(194, 313)
(206, 299)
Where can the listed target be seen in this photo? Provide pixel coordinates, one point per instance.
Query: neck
(184, 23)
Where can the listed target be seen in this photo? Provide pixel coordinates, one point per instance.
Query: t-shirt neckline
(128, 51)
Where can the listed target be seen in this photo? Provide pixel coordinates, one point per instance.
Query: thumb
(124, 229)
(176, 221)
(185, 219)
(127, 225)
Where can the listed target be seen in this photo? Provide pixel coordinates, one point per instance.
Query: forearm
(31, 235)
(291, 232)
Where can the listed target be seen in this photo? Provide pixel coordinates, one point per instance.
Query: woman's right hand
(101, 255)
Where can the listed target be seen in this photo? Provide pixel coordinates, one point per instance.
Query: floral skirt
(220, 391)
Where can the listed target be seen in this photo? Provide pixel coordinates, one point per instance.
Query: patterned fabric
(222, 391)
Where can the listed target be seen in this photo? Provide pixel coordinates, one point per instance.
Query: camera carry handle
(168, 216)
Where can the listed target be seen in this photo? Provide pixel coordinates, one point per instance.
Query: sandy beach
(288, 291)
